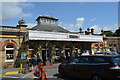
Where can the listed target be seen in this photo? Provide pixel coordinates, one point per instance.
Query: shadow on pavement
(19, 79)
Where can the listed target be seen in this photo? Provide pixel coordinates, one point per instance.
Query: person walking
(39, 58)
(35, 59)
(28, 60)
(50, 58)
(44, 59)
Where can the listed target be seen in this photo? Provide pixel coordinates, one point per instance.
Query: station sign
(74, 36)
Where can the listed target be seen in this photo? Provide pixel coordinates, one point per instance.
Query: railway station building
(47, 37)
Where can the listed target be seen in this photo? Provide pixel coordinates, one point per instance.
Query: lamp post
(46, 49)
(114, 46)
(105, 45)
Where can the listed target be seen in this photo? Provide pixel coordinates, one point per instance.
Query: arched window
(101, 47)
(96, 47)
(9, 50)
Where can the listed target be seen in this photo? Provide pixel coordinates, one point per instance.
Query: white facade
(59, 36)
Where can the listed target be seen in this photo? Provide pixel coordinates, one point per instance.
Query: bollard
(40, 71)
(21, 68)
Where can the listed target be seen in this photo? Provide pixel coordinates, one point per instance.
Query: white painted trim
(9, 60)
(9, 49)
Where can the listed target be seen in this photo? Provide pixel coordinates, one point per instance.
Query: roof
(7, 26)
(49, 27)
(44, 16)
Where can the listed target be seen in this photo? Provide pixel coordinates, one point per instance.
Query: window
(9, 54)
(96, 47)
(76, 60)
(85, 60)
(47, 20)
(117, 60)
(99, 60)
(41, 20)
(9, 50)
(50, 21)
(44, 20)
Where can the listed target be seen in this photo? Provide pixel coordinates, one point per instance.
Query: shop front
(62, 46)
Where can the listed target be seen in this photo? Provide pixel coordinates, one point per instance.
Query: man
(35, 59)
(39, 58)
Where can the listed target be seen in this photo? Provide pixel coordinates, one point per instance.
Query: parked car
(106, 53)
(92, 67)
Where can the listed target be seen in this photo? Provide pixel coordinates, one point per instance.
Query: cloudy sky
(71, 15)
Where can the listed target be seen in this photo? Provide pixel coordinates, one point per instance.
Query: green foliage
(117, 32)
(108, 33)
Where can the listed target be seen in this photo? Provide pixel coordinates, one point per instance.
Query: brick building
(108, 44)
(11, 40)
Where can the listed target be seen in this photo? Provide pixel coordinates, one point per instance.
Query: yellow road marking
(9, 73)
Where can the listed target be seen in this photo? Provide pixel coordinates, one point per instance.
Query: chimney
(92, 31)
(80, 29)
(86, 33)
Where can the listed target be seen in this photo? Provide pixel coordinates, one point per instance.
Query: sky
(71, 15)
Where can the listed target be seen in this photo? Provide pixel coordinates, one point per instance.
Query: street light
(46, 49)
(114, 46)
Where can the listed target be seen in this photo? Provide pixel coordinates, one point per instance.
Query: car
(92, 67)
(106, 53)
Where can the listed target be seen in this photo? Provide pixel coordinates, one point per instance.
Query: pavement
(26, 75)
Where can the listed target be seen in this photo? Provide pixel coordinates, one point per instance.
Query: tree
(117, 32)
(107, 33)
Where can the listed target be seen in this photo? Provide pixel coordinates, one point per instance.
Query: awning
(58, 36)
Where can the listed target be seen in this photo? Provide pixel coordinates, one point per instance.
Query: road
(52, 74)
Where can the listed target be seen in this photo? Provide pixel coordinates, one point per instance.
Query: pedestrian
(44, 59)
(50, 58)
(39, 58)
(28, 60)
(35, 59)
(66, 55)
